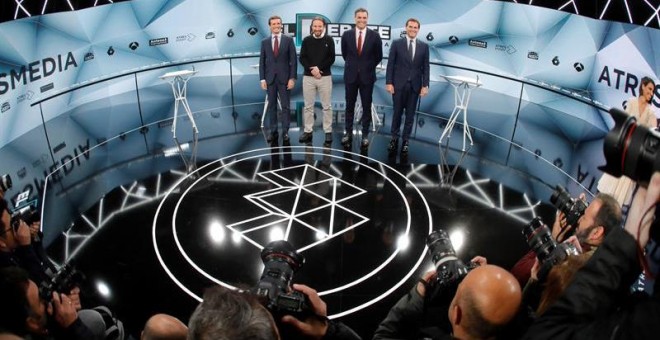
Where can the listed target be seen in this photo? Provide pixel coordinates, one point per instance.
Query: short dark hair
(227, 314)
(644, 82)
(413, 20)
(361, 9)
(609, 214)
(15, 308)
(319, 19)
(273, 18)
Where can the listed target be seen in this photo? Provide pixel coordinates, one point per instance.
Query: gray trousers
(310, 87)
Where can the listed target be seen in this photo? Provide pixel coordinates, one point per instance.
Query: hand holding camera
(315, 325)
(63, 310)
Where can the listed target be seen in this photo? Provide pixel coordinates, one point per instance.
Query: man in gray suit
(277, 70)
(407, 79)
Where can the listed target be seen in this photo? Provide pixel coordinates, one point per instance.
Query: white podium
(179, 82)
(463, 87)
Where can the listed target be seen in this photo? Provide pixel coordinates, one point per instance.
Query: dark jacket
(597, 305)
(405, 321)
(280, 68)
(361, 67)
(401, 69)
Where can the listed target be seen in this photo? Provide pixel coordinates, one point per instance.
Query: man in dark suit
(407, 79)
(362, 50)
(277, 70)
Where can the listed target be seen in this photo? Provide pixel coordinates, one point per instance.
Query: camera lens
(539, 238)
(631, 149)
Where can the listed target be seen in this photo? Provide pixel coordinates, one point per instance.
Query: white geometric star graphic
(301, 192)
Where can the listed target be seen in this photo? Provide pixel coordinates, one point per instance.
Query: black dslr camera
(274, 287)
(449, 268)
(573, 208)
(631, 149)
(547, 250)
(27, 214)
(62, 282)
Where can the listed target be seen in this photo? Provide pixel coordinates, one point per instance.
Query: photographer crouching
(597, 305)
(484, 299)
(273, 309)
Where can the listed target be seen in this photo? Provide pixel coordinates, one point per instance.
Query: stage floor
(360, 222)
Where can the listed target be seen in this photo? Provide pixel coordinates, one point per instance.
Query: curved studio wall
(72, 81)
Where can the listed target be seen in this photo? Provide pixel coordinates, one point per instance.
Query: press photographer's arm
(596, 304)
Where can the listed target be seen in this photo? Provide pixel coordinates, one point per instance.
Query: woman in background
(640, 107)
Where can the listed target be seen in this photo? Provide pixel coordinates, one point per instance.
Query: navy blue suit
(408, 77)
(277, 71)
(360, 74)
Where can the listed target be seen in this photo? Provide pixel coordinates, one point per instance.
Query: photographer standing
(486, 300)
(602, 215)
(596, 305)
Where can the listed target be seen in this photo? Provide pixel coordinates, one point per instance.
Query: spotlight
(217, 232)
(402, 242)
(276, 234)
(457, 238)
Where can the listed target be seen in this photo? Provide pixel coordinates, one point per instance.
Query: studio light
(457, 238)
(217, 232)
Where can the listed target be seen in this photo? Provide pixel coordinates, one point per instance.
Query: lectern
(179, 82)
(463, 87)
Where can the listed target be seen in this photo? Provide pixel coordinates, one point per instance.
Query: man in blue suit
(407, 79)
(362, 50)
(277, 70)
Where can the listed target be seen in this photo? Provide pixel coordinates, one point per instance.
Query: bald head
(164, 327)
(487, 299)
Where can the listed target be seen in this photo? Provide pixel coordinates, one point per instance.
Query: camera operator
(16, 246)
(596, 304)
(601, 216)
(228, 314)
(24, 312)
(486, 300)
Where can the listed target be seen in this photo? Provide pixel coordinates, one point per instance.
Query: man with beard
(317, 54)
(601, 216)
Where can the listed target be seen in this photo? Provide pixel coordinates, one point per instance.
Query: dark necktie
(410, 49)
(276, 48)
(359, 43)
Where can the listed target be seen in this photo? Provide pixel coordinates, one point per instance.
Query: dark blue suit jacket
(400, 68)
(363, 65)
(279, 69)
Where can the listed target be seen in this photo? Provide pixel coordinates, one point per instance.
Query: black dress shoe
(272, 137)
(404, 148)
(347, 140)
(393, 146)
(305, 138)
